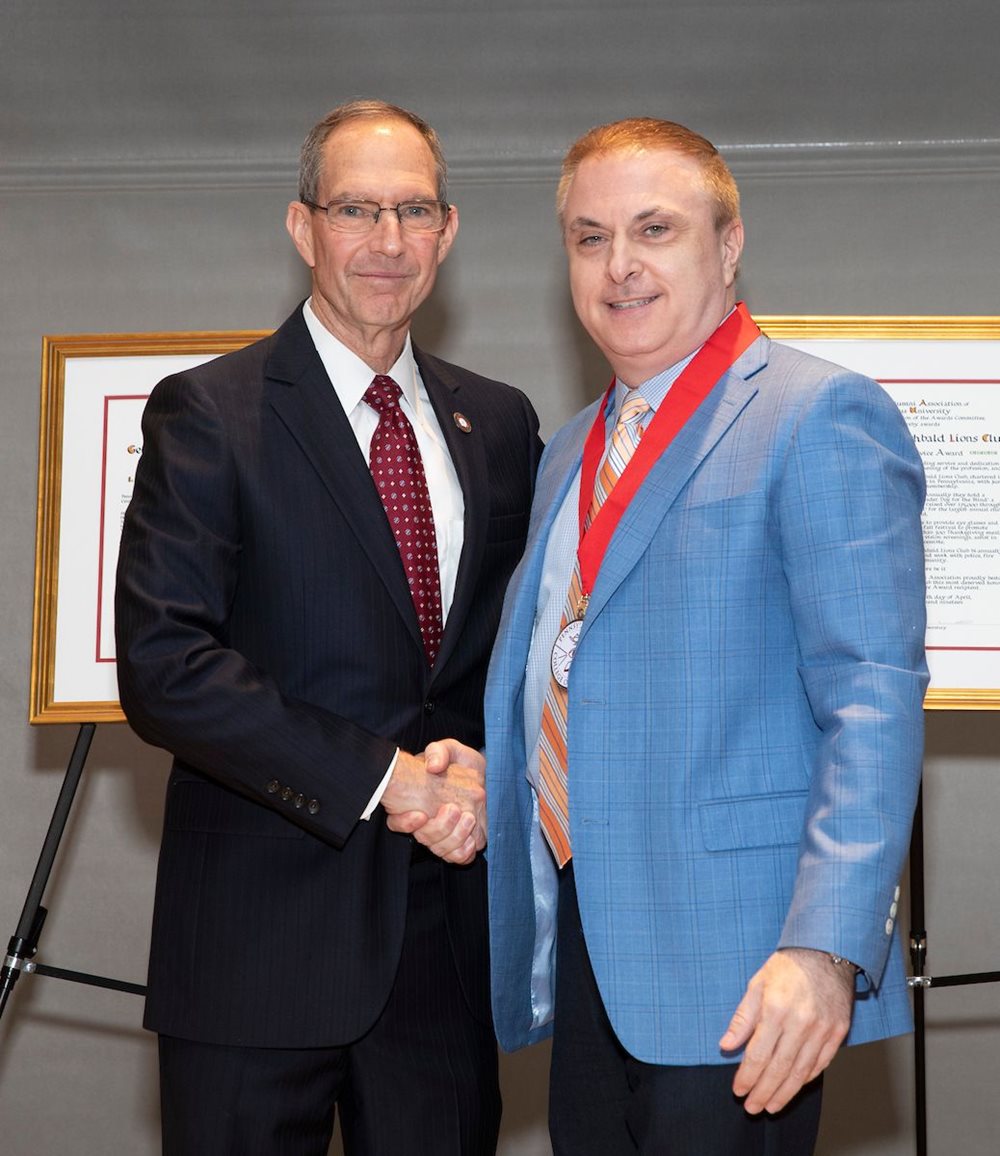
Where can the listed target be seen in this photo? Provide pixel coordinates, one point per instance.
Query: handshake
(439, 798)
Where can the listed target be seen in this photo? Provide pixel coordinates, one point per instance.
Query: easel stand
(24, 942)
(919, 982)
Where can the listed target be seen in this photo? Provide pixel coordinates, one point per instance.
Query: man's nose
(623, 260)
(387, 233)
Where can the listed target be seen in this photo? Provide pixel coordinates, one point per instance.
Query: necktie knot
(634, 408)
(624, 442)
(383, 393)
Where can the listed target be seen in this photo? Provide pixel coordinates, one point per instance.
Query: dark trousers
(421, 1082)
(604, 1102)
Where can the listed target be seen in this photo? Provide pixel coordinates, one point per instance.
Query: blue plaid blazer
(745, 715)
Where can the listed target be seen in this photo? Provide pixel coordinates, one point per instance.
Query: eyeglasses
(362, 216)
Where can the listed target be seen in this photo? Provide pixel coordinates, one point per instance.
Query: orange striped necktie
(553, 792)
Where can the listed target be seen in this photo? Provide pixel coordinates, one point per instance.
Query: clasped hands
(439, 798)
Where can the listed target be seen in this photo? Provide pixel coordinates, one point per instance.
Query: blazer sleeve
(182, 685)
(850, 499)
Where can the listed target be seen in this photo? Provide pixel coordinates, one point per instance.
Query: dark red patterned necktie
(398, 474)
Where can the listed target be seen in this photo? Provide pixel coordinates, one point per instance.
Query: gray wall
(146, 157)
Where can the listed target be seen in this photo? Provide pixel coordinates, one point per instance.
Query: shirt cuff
(374, 801)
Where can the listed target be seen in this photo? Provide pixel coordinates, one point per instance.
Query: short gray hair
(311, 156)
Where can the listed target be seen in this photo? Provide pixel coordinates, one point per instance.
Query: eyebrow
(347, 197)
(589, 223)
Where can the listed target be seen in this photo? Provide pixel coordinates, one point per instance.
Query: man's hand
(438, 798)
(792, 1019)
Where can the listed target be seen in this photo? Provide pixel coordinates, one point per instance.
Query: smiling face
(651, 274)
(366, 287)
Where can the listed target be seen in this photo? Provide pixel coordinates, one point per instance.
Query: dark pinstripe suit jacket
(266, 638)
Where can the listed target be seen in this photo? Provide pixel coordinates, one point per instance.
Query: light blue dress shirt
(557, 572)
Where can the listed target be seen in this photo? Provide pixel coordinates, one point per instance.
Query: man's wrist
(840, 961)
(376, 798)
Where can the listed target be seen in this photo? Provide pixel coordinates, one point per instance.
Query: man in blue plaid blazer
(745, 723)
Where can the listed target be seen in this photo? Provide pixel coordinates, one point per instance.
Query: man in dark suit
(293, 621)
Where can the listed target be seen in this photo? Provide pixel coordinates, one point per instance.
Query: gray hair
(311, 156)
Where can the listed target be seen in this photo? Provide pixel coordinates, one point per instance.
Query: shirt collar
(655, 389)
(349, 375)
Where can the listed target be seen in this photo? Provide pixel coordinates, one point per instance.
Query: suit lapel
(559, 466)
(671, 473)
(300, 392)
(468, 455)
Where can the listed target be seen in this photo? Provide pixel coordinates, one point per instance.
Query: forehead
(377, 153)
(631, 181)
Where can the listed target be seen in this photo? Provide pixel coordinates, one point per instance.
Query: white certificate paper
(948, 391)
(94, 390)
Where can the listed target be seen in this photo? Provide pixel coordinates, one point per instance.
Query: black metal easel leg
(918, 962)
(24, 942)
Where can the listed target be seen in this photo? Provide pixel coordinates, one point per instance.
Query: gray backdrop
(147, 154)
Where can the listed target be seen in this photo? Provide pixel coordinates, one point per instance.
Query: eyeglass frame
(379, 210)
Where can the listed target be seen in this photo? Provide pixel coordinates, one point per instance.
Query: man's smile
(633, 303)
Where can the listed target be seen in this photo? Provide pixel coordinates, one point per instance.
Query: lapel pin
(462, 422)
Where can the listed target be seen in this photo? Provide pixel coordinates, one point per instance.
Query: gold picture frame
(93, 389)
(893, 349)
(944, 373)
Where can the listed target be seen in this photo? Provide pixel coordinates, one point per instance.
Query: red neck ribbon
(733, 337)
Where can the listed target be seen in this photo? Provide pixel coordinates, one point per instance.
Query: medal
(732, 338)
(563, 650)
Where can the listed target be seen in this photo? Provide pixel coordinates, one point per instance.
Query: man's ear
(299, 223)
(732, 248)
(447, 235)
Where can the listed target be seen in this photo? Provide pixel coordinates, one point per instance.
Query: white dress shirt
(560, 558)
(351, 377)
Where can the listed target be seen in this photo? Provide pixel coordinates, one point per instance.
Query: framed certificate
(94, 389)
(944, 374)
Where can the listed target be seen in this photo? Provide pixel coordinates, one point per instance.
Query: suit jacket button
(429, 706)
(286, 793)
(312, 806)
(272, 787)
(298, 801)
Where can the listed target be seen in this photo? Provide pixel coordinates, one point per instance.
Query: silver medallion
(563, 650)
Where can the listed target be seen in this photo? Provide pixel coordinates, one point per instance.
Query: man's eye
(589, 240)
(655, 230)
(415, 211)
(351, 211)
